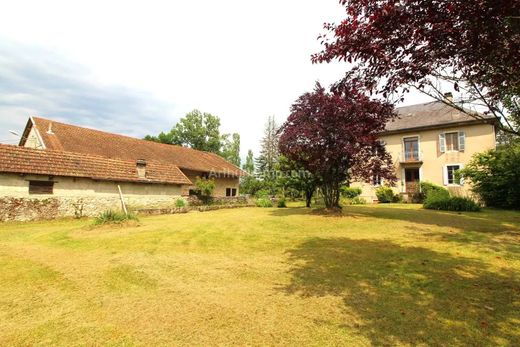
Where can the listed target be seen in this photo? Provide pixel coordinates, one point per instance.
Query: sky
(137, 67)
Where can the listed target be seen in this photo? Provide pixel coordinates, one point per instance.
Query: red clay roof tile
(77, 139)
(23, 160)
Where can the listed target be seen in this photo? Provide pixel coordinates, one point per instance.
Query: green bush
(113, 217)
(427, 188)
(264, 202)
(205, 186)
(495, 176)
(180, 203)
(437, 200)
(354, 201)
(281, 203)
(350, 192)
(262, 193)
(385, 194)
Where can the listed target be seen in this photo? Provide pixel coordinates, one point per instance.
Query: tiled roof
(23, 160)
(77, 139)
(430, 115)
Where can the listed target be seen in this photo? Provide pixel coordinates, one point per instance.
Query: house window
(411, 148)
(41, 187)
(231, 192)
(376, 180)
(452, 141)
(451, 177)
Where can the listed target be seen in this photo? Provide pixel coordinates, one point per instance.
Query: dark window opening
(231, 192)
(41, 187)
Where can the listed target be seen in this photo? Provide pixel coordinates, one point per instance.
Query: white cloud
(240, 60)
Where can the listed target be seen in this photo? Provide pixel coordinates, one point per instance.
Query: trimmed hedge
(427, 188)
(437, 200)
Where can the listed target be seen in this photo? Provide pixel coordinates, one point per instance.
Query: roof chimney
(448, 96)
(49, 131)
(141, 168)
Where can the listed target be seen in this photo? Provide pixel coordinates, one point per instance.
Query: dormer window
(141, 168)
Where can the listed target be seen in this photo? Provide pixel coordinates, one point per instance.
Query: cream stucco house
(430, 142)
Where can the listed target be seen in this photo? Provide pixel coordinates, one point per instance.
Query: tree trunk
(308, 197)
(331, 194)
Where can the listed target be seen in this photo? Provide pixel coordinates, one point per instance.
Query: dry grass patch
(373, 275)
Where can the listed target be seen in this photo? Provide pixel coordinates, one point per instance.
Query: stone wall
(77, 197)
(176, 210)
(194, 200)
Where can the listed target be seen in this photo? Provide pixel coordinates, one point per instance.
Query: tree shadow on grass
(403, 295)
(484, 221)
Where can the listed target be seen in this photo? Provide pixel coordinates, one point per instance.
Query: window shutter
(461, 166)
(462, 140)
(442, 143)
(445, 175)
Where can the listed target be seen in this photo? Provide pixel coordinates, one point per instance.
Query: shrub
(427, 188)
(205, 186)
(437, 200)
(355, 201)
(262, 193)
(495, 176)
(385, 194)
(350, 192)
(281, 203)
(397, 198)
(180, 203)
(114, 217)
(264, 202)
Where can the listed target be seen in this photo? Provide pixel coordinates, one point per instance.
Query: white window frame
(446, 142)
(403, 149)
(458, 131)
(445, 175)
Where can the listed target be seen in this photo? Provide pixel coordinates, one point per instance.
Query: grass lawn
(377, 275)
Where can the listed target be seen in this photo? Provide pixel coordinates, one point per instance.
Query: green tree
(199, 131)
(196, 130)
(269, 153)
(295, 177)
(267, 161)
(250, 184)
(495, 177)
(249, 165)
(231, 148)
(161, 138)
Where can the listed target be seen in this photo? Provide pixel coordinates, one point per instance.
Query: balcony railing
(410, 157)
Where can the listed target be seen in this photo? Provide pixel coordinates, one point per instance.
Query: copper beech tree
(472, 45)
(334, 135)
